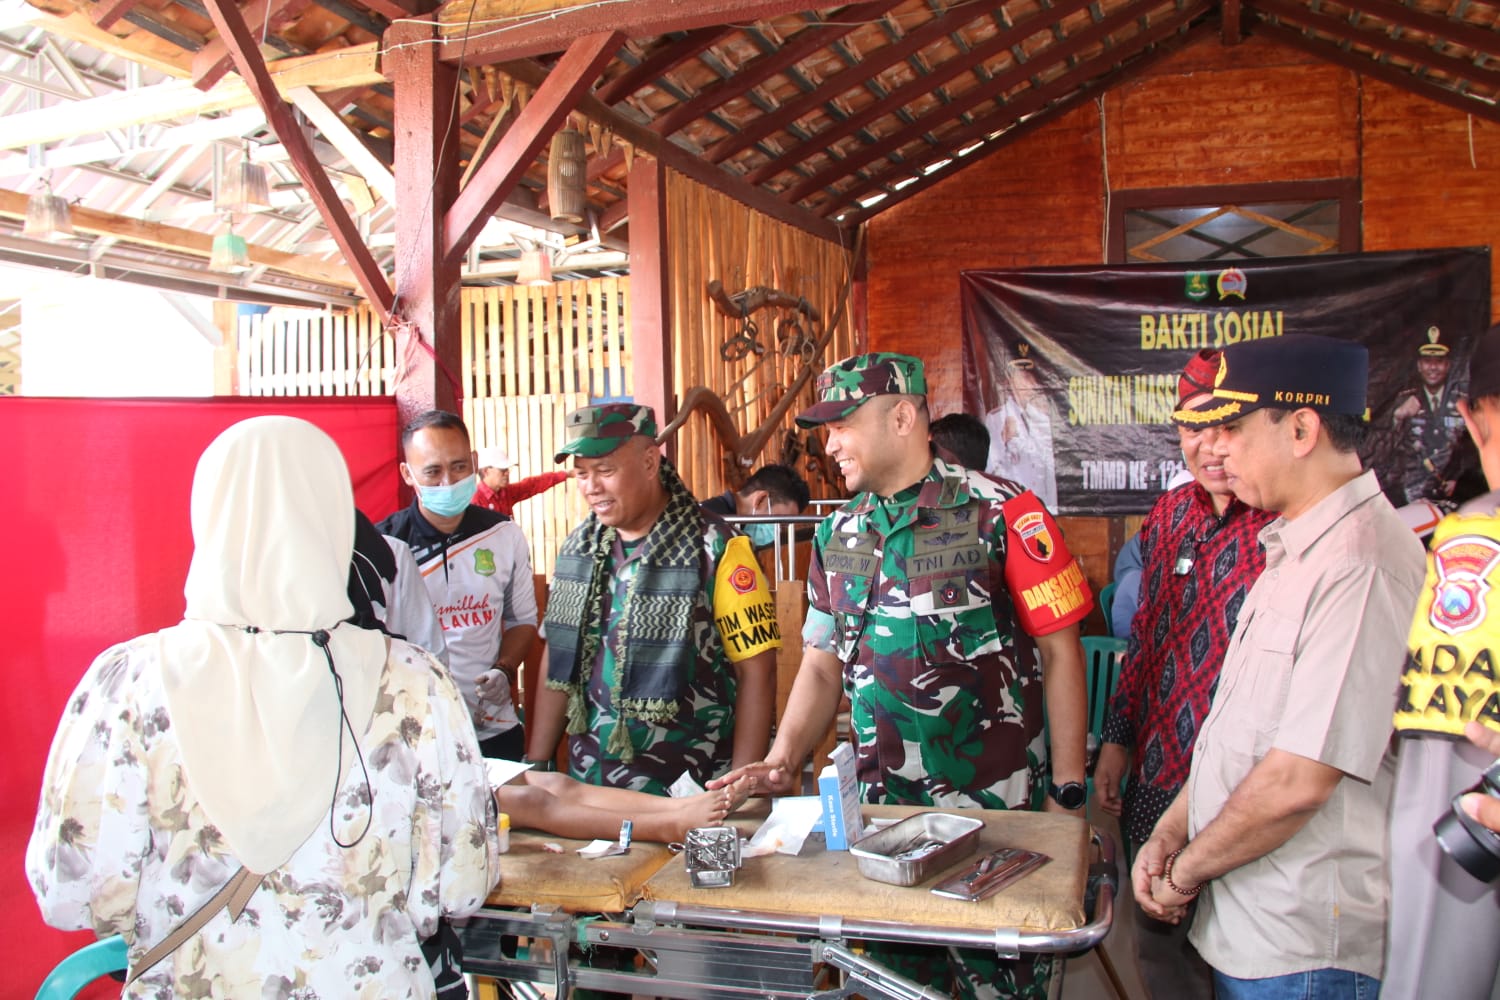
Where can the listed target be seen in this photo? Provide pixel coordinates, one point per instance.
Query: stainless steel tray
(918, 847)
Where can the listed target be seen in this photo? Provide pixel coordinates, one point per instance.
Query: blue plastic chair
(83, 967)
(1106, 605)
(1103, 656)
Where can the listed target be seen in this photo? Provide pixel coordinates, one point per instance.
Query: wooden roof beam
(867, 68)
(213, 61)
(1032, 101)
(1040, 21)
(1013, 76)
(164, 237)
(1379, 71)
(106, 12)
(252, 69)
(1447, 28)
(1414, 52)
(1021, 130)
(1231, 28)
(548, 108)
(752, 74)
(476, 32)
(660, 62)
(354, 66)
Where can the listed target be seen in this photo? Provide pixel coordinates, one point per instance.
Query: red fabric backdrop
(96, 503)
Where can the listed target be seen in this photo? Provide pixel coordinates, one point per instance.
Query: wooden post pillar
(650, 307)
(427, 280)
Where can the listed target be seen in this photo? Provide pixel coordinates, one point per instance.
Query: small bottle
(503, 836)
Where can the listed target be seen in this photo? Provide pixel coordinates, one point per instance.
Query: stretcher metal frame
(699, 952)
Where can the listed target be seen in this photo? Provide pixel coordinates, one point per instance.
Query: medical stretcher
(561, 922)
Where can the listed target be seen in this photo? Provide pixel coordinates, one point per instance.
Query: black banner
(1074, 369)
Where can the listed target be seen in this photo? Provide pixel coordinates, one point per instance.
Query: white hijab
(255, 713)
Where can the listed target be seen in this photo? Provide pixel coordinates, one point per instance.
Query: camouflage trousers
(967, 973)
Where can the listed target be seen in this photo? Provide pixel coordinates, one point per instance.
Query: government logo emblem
(1232, 281)
(1459, 594)
(484, 562)
(1035, 537)
(1195, 285)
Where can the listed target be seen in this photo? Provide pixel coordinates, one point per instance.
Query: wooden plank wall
(1209, 115)
(712, 236)
(528, 356)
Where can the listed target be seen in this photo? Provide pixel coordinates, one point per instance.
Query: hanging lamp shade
(536, 268)
(47, 217)
(246, 188)
(231, 255)
(566, 173)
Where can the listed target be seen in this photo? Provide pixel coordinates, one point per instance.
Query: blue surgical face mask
(450, 500)
(761, 535)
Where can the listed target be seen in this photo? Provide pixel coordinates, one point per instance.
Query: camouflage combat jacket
(927, 598)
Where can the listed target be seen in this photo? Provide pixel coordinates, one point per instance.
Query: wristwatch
(1069, 794)
(540, 765)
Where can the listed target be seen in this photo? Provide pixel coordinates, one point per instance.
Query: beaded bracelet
(1166, 876)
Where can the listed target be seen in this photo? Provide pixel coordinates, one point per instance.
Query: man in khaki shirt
(1282, 823)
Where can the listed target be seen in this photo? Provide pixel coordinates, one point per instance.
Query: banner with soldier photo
(1074, 369)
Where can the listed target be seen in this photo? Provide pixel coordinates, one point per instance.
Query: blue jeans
(1319, 984)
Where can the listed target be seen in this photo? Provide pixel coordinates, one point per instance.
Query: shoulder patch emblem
(1459, 595)
(742, 579)
(1031, 529)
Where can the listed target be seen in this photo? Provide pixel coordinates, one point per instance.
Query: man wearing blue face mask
(774, 490)
(477, 571)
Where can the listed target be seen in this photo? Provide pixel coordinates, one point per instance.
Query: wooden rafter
(486, 31)
(752, 74)
(211, 62)
(1231, 30)
(553, 101)
(180, 99)
(252, 69)
(107, 12)
(165, 237)
(868, 68)
(1449, 29)
(1076, 83)
(997, 85)
(1379, 71)
(911, 90)
(662, 61)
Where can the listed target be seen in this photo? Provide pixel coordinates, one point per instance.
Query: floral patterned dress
(122, 846)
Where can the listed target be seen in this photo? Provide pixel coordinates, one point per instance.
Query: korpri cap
(594, 431)
(1484, 365)
(1289, 372)
(844, 386)
(494, 458)
(1432, 349)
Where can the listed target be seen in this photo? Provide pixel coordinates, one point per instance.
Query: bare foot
(709, 808)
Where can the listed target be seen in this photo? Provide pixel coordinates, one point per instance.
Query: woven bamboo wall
(712, 236)
(529, 355)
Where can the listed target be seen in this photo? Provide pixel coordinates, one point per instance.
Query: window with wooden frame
(1291, 219)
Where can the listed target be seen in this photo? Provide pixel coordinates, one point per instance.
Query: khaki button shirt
(1312, 670)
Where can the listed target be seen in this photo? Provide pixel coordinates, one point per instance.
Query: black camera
(1473, 845)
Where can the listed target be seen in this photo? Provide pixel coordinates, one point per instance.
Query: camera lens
(1474, 846)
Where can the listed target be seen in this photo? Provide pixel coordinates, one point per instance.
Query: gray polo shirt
(1312, 670)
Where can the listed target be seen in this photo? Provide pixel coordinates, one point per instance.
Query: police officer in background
(920, 575)
(1429, 426)
(1445, 925)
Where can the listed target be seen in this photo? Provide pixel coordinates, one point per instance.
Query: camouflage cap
(844, 386)
(598, 430)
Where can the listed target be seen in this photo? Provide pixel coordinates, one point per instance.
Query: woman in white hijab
(336, 766)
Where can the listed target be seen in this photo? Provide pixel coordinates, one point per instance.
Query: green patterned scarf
(656, 648)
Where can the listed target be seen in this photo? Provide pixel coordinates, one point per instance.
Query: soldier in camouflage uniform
(932, 592)
(646, 570)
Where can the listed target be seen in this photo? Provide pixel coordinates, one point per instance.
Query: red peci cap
(1198, 376)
